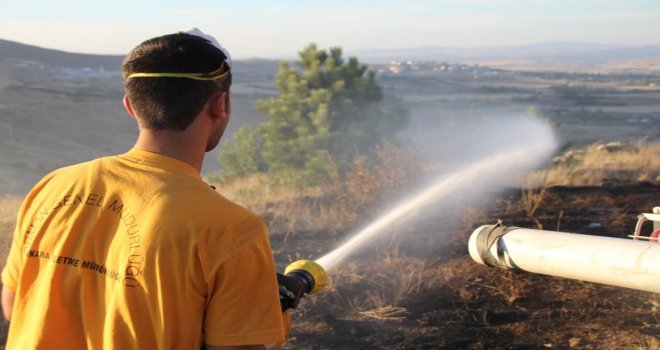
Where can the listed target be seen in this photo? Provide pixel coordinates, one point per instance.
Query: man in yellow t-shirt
(135, 251)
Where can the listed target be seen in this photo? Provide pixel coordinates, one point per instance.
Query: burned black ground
(458, 304)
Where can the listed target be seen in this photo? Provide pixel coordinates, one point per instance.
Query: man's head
(169, 79)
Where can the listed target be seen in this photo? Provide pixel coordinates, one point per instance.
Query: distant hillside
(13, 51)
(543, 56)
(56, 110)
(555, 53)
(51, 117)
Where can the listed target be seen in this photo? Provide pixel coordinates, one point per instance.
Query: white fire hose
(614, 261)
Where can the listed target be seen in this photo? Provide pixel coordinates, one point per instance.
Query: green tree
(327, 111)
(243, 156)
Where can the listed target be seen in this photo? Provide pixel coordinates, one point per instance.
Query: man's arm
(238, 347)
(243, 304)
(286, 317)
(8, 296)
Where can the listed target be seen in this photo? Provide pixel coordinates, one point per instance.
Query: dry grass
(648, 342)
(599, 164)
(337, 205)
(8, 210)
(344, 200)
(387, 313)
(286, 210)
(376, 293)
(532, 197)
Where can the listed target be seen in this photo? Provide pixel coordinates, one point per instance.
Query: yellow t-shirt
(137, 252)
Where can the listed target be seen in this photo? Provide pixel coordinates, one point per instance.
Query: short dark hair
(164, 103)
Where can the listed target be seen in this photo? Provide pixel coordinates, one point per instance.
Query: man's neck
(174, 144)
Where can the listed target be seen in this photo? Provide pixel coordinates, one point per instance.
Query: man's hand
(237, 347)
(8, 296)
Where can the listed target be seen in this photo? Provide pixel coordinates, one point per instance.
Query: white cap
(212, 40)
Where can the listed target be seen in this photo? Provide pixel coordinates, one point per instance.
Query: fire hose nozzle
(300, 278)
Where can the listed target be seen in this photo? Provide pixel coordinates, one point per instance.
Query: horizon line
(276, 57)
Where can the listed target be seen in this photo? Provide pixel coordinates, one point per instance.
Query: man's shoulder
(215, 202)
(208, 211)
(68, 172)
(82, 165)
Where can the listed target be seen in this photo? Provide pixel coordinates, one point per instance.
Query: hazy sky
(278, 29)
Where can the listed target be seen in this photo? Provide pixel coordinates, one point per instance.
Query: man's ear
(220, 105)
(129, 108)
(227, 104)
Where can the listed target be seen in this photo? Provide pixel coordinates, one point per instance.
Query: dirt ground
(438, 298)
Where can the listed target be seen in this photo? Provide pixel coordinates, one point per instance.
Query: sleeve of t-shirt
(243, 307)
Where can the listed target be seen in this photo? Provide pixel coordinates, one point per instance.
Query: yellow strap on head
(215, 75)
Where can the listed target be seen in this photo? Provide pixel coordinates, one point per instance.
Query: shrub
(328, 110)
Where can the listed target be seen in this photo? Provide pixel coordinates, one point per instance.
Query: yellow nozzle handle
(313, 268)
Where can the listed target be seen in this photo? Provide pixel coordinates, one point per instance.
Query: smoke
(450, 142)
(475, 158)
